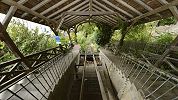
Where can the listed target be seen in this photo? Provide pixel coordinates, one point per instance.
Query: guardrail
(36, 83)
(153, 83)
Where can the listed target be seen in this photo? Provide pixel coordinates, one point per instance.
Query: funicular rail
(35, 83)
(153, 83)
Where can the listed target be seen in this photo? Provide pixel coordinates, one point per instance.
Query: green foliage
(104, 34)
(28, 41)
(87, 28)
(116, 36)
(167, 21)
(122, 25)
(165, 38)
(87, 35)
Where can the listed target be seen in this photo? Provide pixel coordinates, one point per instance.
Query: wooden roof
(67, 13)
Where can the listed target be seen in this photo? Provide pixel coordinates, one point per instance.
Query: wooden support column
(9, 42)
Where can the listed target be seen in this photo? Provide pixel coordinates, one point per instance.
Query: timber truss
(66, 13)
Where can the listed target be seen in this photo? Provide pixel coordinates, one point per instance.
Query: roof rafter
(145, 6)
(72, 21)
(157, 10)
(84, 8)
(37, 7)
(21, 7)
(74, 8)
(87, 13)
(101, 20)
(10, 13)
(109, 9)
(117, 8)
(95, 9)
(64, 8)
(128, 6)
(173, 9)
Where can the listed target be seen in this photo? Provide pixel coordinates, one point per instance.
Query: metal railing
(36, 84)
(83, 79)
(152, 82)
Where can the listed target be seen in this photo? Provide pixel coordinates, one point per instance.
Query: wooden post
(10, 14)
(9, 42)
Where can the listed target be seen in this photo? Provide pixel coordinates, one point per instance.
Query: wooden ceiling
(67, 13)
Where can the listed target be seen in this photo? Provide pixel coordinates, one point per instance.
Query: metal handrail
(83, 79)
(50, 72)
(145, 77)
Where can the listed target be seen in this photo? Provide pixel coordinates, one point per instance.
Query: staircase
(91, 88)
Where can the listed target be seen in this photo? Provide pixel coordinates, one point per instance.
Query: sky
(30, 25)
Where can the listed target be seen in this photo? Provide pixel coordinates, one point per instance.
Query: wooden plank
(157, 10)
(53, 7)
(87, 13)
(96, 8)
(103, 6)
(143, 5)
(173, 9)
(64, 8)
(110, 18)
(37, 7)
(10, 14)
(117, 8)
(68, 17)
(83, 4)
(128, 6)
(21, 7)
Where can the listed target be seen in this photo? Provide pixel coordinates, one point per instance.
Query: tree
(28, 41)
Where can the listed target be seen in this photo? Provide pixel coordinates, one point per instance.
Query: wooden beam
(96, 8)
(9, 42)
(78, 21)
(74, 8)
(117, 8)
(103, 6)
(37, 7)
(87, 13)
(106, 20)
(10, 14)
(84, 8)
(21, 7)
(110, 18)
(64, 8)
(145, 6)
(128, 6)
(166, 52)
(61, 22)
(68, 17)
(157, 10)
(173, 9)
(101, 20)
(53, 7)
(76, 18)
